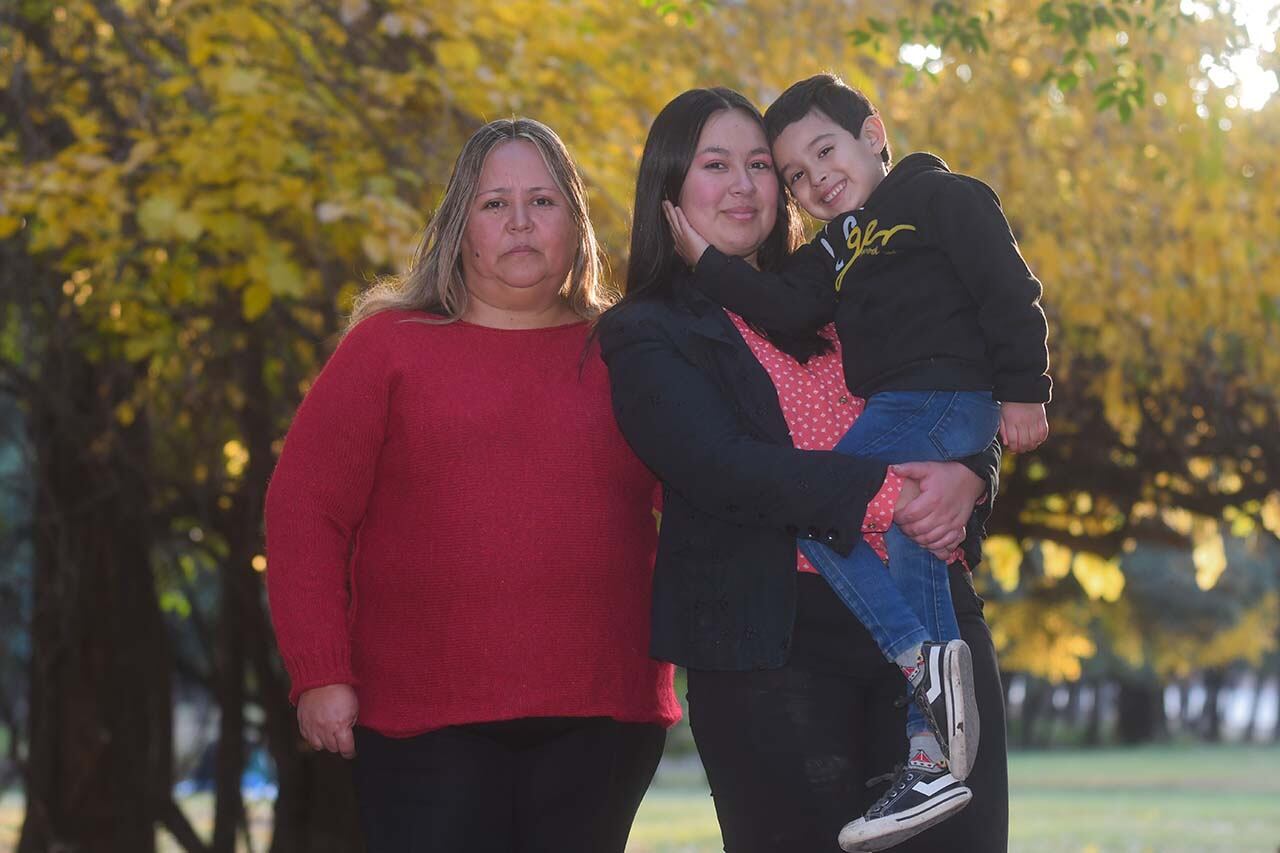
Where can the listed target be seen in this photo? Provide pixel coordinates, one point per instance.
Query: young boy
(941, 329)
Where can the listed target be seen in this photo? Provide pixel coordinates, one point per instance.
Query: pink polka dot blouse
(819, 410)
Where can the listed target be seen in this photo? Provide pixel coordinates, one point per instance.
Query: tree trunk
(1184, 706)
(1071, 713)
(1211, 718)
(230, 757)
(1275, 728)
(1257, 682)
(98, 771)
(1093, 725)
(1038, 697)
(1141, 712)
(315, 810)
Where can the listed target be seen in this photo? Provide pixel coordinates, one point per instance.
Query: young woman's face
(520, 240)
(730, 193)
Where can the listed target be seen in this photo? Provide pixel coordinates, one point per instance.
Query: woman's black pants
(788, 752)
(522, 786)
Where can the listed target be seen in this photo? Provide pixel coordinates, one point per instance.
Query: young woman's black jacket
(701, 412)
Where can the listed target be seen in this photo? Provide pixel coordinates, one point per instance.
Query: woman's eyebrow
(508, 190)
(725, 152)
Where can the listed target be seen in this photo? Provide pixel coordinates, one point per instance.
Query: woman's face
(520, 241)
(730, 193)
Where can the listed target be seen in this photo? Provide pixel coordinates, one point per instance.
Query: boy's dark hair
(831, 96)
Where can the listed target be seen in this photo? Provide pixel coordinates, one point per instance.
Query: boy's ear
(873, 133)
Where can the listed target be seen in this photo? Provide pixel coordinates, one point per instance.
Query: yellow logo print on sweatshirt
(868, 242)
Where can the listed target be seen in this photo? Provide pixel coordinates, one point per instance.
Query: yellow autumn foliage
(1050, 643)
(259, 161)
(1003, 556)
(1099, 578)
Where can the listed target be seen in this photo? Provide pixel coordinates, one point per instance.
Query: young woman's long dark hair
(654, 265)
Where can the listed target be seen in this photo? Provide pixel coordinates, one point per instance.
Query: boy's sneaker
(921, 794)
(946, 696)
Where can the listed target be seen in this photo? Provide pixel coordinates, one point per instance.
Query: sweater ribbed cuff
(318, 667)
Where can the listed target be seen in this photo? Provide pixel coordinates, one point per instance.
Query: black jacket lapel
(715, 342)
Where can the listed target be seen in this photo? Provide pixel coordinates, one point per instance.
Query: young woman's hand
(1023, 426)
(689, 243)
(936, 518)
(326, 716)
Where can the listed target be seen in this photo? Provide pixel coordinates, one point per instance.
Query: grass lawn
(1150, 800)
(1163, 799)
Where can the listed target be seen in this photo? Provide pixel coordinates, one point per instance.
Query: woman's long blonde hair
(434, 280)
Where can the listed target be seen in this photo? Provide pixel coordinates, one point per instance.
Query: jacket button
(832, 535)
(813, 533)
(792, 530)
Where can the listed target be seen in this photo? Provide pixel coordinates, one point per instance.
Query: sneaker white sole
(885, 832)
(962, 709)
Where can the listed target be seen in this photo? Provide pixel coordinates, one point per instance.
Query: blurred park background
(191, 191)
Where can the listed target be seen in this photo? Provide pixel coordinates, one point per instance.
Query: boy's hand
(1023, 426)
(689, 243)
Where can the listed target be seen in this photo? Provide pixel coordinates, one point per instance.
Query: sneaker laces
(899, 771)
(886, 777)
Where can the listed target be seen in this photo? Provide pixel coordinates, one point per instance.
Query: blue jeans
(911, 601)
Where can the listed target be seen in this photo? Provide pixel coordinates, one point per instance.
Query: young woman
(793, 707)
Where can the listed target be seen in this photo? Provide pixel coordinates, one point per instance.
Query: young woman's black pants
(788, 752)
(535, 785)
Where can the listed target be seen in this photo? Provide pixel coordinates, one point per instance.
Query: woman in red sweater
(461, 542)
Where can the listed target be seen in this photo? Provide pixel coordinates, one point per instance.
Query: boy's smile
(827, 168)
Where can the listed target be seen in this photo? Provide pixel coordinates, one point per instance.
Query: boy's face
(827, 168)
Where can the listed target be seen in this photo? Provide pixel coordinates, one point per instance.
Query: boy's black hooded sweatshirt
(925, 283)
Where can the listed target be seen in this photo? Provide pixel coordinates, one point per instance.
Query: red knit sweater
(457, 527)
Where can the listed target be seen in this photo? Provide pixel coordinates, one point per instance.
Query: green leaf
(255, 300)
(283, 276)
(1268, 307)
(187, 225)
(156, 214)
(139, 347)
(173, 601)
